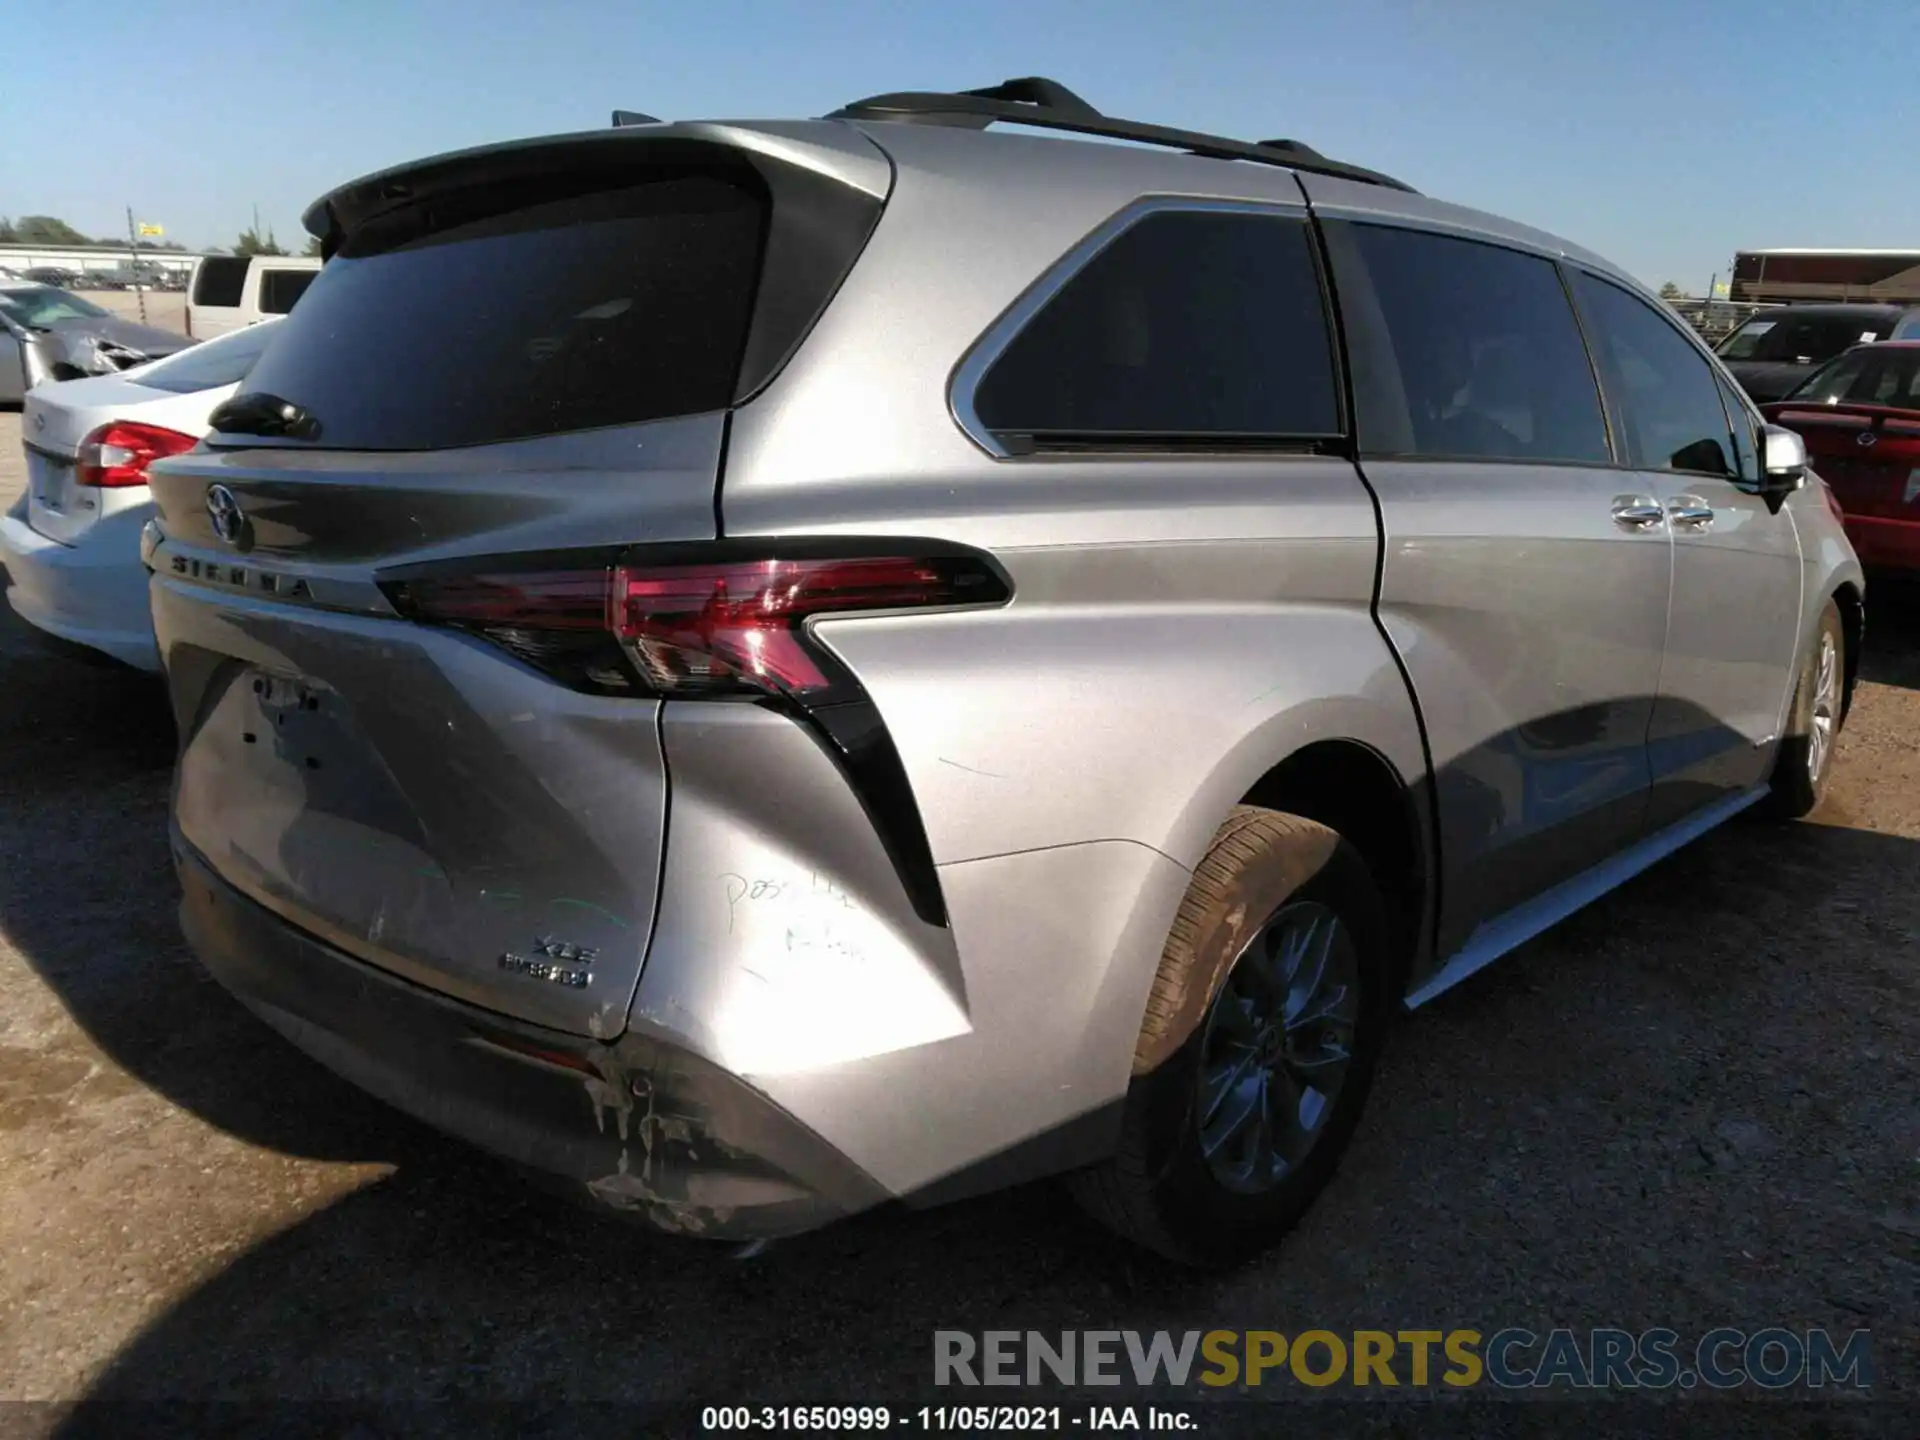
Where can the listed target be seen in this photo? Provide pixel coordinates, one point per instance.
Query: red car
(1860, 414)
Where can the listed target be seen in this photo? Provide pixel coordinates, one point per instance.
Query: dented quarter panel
(785, 942)
(785, 952)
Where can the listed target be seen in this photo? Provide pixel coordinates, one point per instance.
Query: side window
(219, 280)
(1189, 325)
(1746, 431)
(1668, 395)
(1489, 355)
(280, 288)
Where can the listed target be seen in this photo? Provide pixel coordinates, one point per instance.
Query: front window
(1870, 375)
(1669, 398)
(39, 306)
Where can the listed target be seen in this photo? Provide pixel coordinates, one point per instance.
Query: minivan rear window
(220, 280)
(280, 288)
(564, 311)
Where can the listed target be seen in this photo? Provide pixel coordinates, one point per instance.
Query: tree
(313, 247)
(1670, 291)
(41, 230)
(250, 243)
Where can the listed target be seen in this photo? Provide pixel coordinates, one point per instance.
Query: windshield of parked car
(1870, 375)
(1800, 339)
(38, 306)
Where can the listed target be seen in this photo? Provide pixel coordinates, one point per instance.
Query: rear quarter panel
(1179, 627)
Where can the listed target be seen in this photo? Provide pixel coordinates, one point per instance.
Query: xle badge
(554, 961)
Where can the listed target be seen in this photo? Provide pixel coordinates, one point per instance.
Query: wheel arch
(1354, 790)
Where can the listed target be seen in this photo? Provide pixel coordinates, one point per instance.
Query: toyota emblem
(1865, 438)
(228, 518)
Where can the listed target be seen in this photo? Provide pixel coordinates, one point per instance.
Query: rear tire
(1266, 1019)
(1805, 761)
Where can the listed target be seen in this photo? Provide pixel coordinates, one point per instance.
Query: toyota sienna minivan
(874, 658)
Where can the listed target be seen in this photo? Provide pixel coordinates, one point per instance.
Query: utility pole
(133, 255)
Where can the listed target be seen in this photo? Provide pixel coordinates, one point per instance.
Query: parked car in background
(230, 291)
(72, 545)
(1860, 414)
(52, 334)
(53, 275)
(855, 659)
(1777, 349)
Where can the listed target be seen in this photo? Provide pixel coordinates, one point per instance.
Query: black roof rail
(1049, 105)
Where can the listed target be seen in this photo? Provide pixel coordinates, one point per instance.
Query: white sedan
(71, 546)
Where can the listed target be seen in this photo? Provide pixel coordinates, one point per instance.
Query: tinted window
(1871, 375)
(210, 364)
(1782, 336)
(1668, 395)
(1188, 324)
(280, 288)
(1489, 355)
(566, 313)
(219, 280)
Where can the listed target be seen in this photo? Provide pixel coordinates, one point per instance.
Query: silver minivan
(770, 668)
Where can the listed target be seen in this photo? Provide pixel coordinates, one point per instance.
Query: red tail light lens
(118, 454)
(737, 626)
(696, 628)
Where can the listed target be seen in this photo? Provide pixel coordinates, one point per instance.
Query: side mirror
(1783, 463)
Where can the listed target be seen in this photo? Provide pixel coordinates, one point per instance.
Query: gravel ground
(1693, 1105)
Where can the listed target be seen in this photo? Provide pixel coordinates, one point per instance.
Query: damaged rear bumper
(638, 1125)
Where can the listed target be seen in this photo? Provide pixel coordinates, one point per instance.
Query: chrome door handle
(1689, 512)
(1637, 512)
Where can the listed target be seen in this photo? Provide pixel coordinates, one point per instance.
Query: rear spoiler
(633, 142)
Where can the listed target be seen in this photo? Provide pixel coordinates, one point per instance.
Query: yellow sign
(146, 229)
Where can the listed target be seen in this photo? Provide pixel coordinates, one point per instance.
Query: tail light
(698, 628)
(727, 620)
(117, 454)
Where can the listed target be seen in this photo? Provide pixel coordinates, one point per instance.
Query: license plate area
(50, 480)
(296, 734)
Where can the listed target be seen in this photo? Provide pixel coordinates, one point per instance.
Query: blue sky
(1663, 133)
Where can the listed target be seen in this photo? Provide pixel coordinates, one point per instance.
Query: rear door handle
(1689, 512)
(1637, 512)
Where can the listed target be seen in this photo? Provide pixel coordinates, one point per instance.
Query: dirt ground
(1694, 1104)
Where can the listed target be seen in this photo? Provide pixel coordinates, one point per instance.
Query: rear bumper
(93, 594)
(640, 1126)
(1884, 543)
